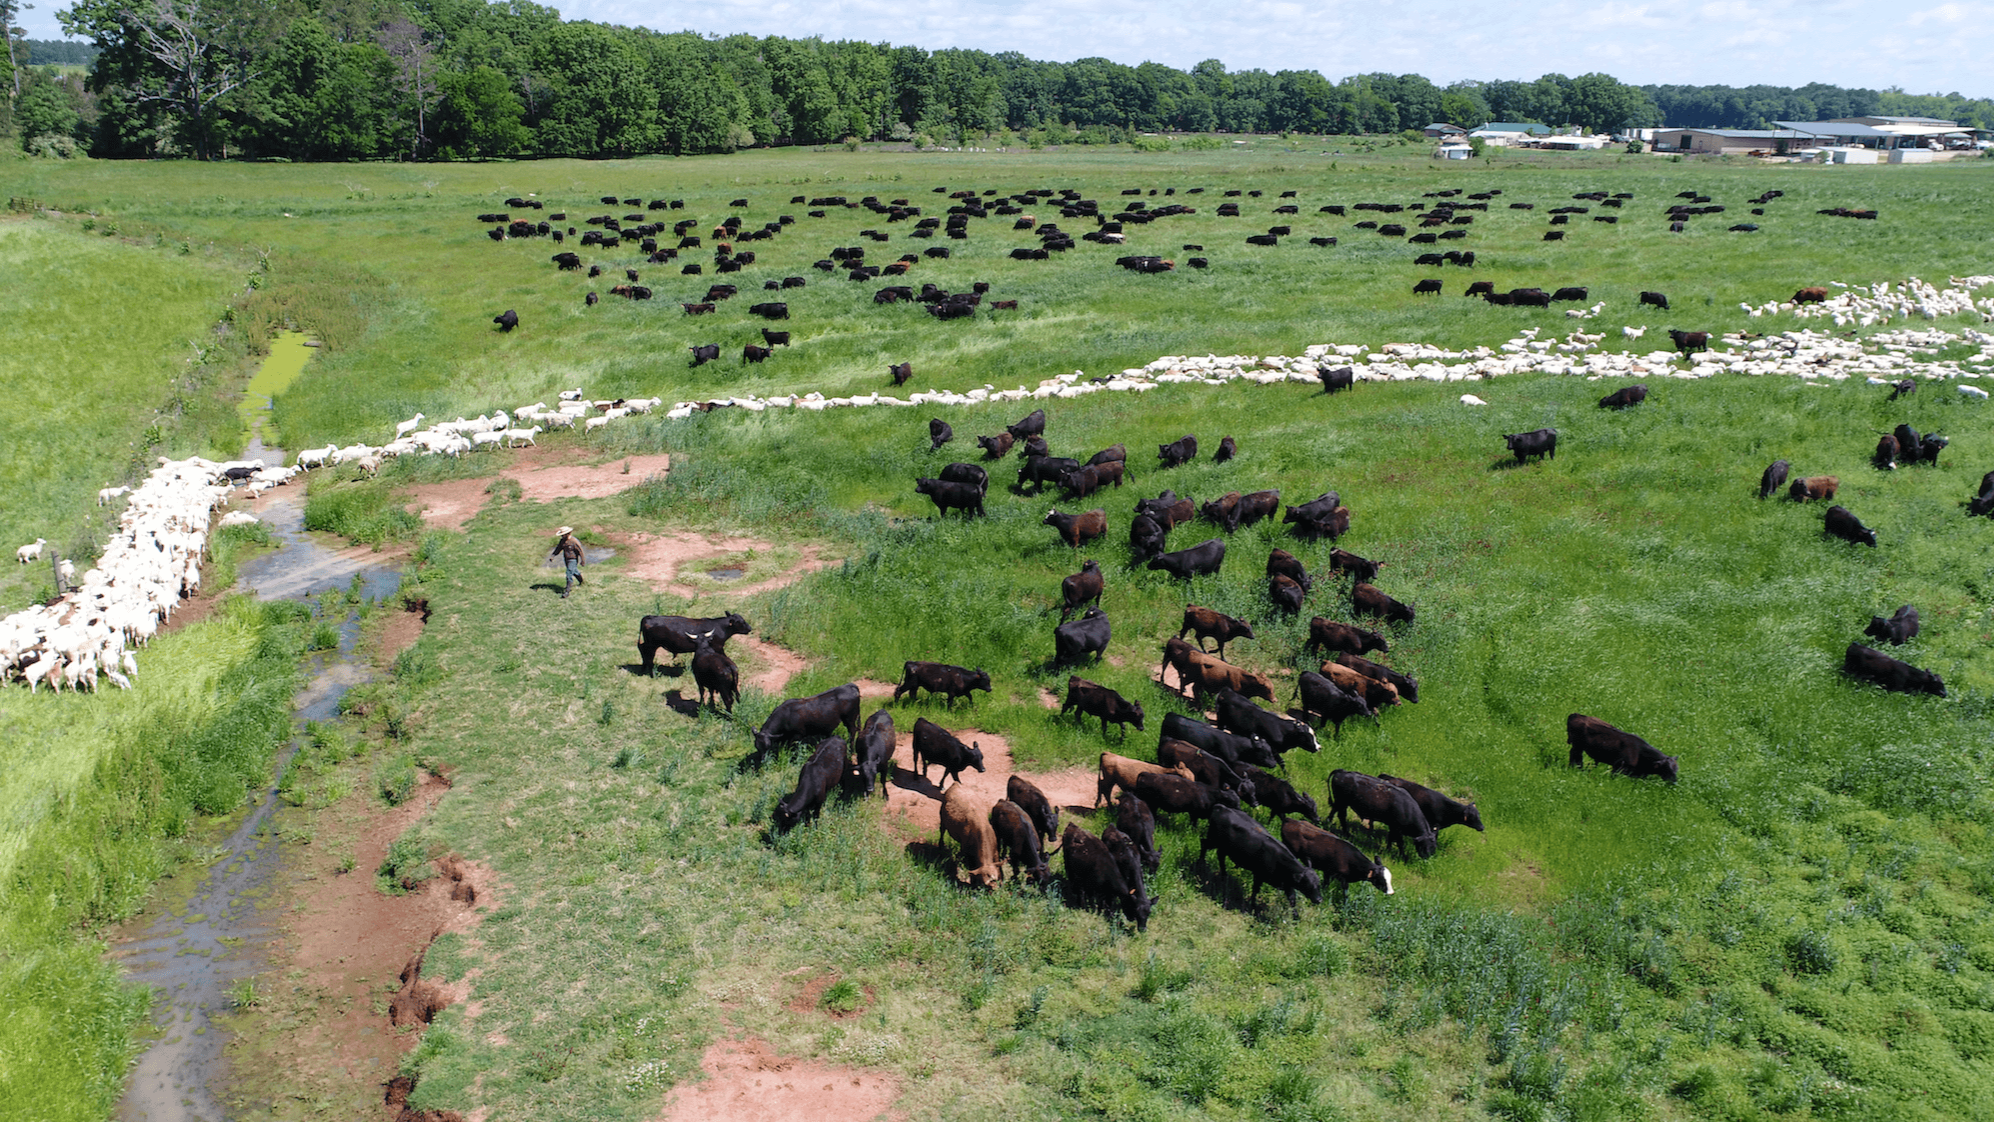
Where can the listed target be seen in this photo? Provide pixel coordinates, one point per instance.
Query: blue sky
(1925, 46)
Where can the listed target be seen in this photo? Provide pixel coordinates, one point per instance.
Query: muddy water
(199, 949)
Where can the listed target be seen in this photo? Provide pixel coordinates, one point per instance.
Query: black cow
(1689, 342)
(1018, 841)
(1032, 425)
(1424, 287)
(1146, 538)
(1228, 449)
(802, 717)
(1179, 451)
(1207, 768)
(770, 310)
(1624, 397)
(1369, 600)
(1282, 563)
(1407, 686)
(1277, 794)
(1441, 811)
(1381, 803)
(1202, 559)
(1897, 677)
(1082, 587)
(1324, 699)
(1570, 293)
(1339, 378)
(681, 635)
(1332, 856)
(1897, 630)
(1136, 822)
(1624, 752)
(1655, 299)
(1286, 593)
(939, 677)
(966, 473)
(1542, 442)
(939, 433)
(1238, 714)
(1041, 470)
(718, 678)
(900, 371)
(1848, 527)
(1044, 815)
(934, 745)
(1359, 568)
(1169, 791)
(1080, 482)
(701, 355)
(1885, 456)
(874, 748)
(1091, 699)
(1234, 834)
(752, 353)
(819, 777)
(966, 497)
(1774, 477)
(1092, 874)
(1236, 750)
(1343, 637)
(1077, 638)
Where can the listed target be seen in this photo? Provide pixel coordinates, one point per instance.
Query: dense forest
(457, 79)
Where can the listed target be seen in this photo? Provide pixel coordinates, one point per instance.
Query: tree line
(460, 79)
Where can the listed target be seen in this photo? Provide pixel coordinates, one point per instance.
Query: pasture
(1799, 928)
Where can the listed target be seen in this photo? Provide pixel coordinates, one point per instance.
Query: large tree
(185, 57)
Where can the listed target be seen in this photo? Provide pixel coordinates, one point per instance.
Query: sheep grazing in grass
(408, 426)
(31, 551)
(513, 437)
(106, 494)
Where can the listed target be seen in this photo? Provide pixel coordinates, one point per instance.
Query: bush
(1810, 952)
(405, 866)
(398, 779)
(843, 996)
(366, 513)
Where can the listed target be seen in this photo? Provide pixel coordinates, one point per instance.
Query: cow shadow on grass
(1509, 463)
(1233, 890)
(667, 669)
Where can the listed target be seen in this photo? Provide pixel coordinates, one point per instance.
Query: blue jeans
(574, 576)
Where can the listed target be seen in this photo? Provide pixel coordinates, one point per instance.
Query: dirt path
(542, 477)
(747, 1081)
(678, 561)
(913, 804)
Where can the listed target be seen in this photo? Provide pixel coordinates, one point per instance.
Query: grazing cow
(1901, 388)
(1810, 295)
(1018, 840)
(995, 447)
(901, 371)
(1774, 477)
(1076, 639)
(802, 717)
(1282, 563)
(1040, 470)
(1897, 677)
(935, 745)
(506, 320)
(1134, 820)
(1554, 235)
(1202, 559)
(1885, 456)
(1239, 751)
(1168, 510)
(1441, 811)
(1380, 803)
(1655, 299)
(1252, 507)
(1179, 451)
(706, 353)
(1480, 288)
(1570, 293)
(1425, 287)
(698, 309)
(718, 678)
(1315, 509)
(1848, 527)
(1237, 714)
(965, 820)
(1043, 815)
(939, 677)
(1228, 449)
(1689, 342)
(1205, 767)
(681, 635)
(1093, 875)
(1076, 529)
(1624, 752)
(1090, 699)
(591, 299)
(966, 497)
(1079, 482)
(1286, 593)
(1180, 794)
(1624, 397)
(1111, 455)
(1358, 567)
(1406, 685)
(940, 432)
(966, 473)
(1334, 857)
(819, 777)
(1234, 834)
(1343, 637)
(1206, 674)
(1145, 538)
(1035, 446)
(1376, 691)
(1032, 425)
(1369, 600)
(1540, 442)
(1813, 487)
(874, 749)
(752, 353)
(1339, 378)
(1123, 771)
(1080, 588)
(1220, 510)
(1897, 630)
(1323, 699)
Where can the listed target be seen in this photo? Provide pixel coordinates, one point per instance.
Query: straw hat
(564, 531)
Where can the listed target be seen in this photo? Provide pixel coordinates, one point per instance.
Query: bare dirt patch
(541, 477)
(747, 1081)
(447, 506)
(667, 560)
(810, 998)
(398, 634)
(913, 804)
(769, 667)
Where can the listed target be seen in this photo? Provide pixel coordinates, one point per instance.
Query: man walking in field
(570, 552)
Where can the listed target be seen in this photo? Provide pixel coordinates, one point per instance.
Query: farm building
(1454, 150)
(1732, 142)
(1441, 130)
(1504, 133)
(1574, 143)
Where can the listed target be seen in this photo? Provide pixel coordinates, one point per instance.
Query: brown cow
(1207, 624)
(968, 822)
(1813, 487)
(1814, 295)
(1077, 528)
(1376, 692)
(1343, 637)
(1122, 771)
(1206, 675)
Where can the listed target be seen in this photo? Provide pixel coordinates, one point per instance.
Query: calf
(506, 320)
(752, 353)
(1334, 857)
(900, 372)
(1239, 751)
(1369, 600)
(966, 822)
(1228, 449)
(1357, 567)
(1178, 794)
(1813, 487)
(1541, 442)
(1441, 811)
(1624, 397)
(718, 678)
(934, 744)
(1076, 529)
(1136, 822)
(1343, 637)
(1897, 630)
(1082, 587)
(1237, 714)
(1378, 802)
(966, 497)
(1323, 699)
(1093, 875)
(1774, 477)
(1624, 752)
(1018, 840)
(939, 677)
(819, 777)
(1202, 559)
(1075, 639)
(1044, 816)
(1123, 771)
(802, 717)
(1897, 677)
(704, 354)
(1286, 594)
(1282, 563)
(940, 432)
(1689, 342)
(1179, 451)
(874, 749)
(1091, 699)
(697, 309)
(1848, 527)
(1146, 538)
(1339, 378)
(995, 447)
(1407, 687)
(1234, 834)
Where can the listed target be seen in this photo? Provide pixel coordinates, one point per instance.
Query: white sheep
(594, 423)
(29, 553)
(238, 518)
(572, 395)
(106, 494)
(65, 571)
(369, 465)
(513, 437)
(1633, 332)
(486, 439)
(408, 426)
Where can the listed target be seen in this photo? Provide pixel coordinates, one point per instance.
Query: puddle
(725, 574)
(192, 957)
(288, 355)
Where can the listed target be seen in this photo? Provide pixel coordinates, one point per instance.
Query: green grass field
(1799, 929)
